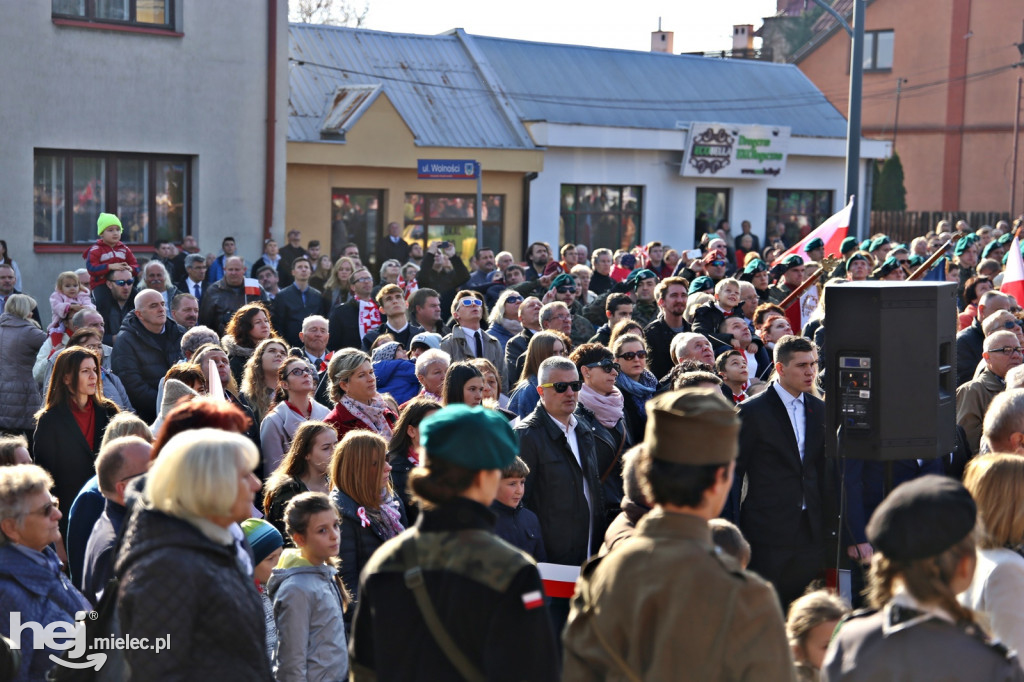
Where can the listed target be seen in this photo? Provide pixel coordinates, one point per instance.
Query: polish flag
(559, 580)
(833, 231)
(252, 287)
(1013, 275)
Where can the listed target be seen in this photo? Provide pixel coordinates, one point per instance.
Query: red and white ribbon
(363, 518)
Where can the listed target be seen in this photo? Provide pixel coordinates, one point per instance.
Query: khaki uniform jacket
(668, 606)
(972, 401)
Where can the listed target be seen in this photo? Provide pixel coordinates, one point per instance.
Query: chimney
(661, 41)
(743, 37)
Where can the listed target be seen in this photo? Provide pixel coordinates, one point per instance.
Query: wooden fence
(903, 226)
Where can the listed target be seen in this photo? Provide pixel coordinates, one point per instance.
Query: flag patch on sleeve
(532, 600)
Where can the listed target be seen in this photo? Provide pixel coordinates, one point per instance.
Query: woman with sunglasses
(635, 382)
(296, 383)
(543, 345)
(504, 319)
(602, 406)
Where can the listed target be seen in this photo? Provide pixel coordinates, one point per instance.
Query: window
(356, 218)
(712, 207)
(601, 216)
(150, 194)
(149, 13)
(878, 50)
(452, 218)
(799, 211)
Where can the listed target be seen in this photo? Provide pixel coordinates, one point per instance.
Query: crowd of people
(288, 466)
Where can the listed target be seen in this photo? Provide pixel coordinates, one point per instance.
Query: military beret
(896, 248)
(694, 426)
(922, 518)
(638, 276)
(915, 261)
(815, 243)
(1005, 239)
(878, 243)
(864, 245)
(964, 244)
(476, 438)
(562, 280)
(990, 247)
(553, 268)
(755, 266)
(847, 245)
(857, 256)
(885, 268)
(628, 261)
(699, 284)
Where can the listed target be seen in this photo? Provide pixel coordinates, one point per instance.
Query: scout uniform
(666, 604)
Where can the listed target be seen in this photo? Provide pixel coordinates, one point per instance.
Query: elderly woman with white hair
(431, 368)
(179, 565)
(32, 583)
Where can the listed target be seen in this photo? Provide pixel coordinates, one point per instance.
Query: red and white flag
(559, 580)
(1013, 275)
(369, 317)
(833, 231)
(252, 287)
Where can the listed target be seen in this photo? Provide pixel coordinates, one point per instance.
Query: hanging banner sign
(723, 150)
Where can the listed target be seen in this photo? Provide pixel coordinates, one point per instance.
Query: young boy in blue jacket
(516, 524)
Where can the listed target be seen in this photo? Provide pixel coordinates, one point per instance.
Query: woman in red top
(357, 405)
(70, 425)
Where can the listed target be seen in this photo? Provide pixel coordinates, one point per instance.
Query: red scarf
(369, 317)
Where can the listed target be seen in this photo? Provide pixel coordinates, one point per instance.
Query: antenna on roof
(659, 24)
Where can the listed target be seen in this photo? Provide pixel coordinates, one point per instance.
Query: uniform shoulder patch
(533, 600)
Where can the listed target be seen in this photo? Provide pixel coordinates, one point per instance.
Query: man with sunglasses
(563, 488)
(564, 288)
(114, 302)
(467, 340)
(1002, 351)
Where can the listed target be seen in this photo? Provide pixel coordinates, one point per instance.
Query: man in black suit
(393, 246)
(194, 281)
(296, 302)
(782, 455)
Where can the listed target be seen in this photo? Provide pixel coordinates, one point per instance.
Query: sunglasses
(632, 355)
(717, 263)
(472, 301)
(563, 386)
(514, 299)
(606, 364)
(299, 371)
(123, 282)
(566, 290)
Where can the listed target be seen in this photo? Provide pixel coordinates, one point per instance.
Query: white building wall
(202, 95)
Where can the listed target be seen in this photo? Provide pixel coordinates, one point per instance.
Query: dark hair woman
(488, 595)
(463, 383)
(70, 425)
(404, 449)
(247, 327)
(303, 469)
(294, 405)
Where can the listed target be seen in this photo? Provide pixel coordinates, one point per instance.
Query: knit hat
(815, 243)
(477, 438)
(262, 537)
(694, 426)
(562, 280)
(699, 284)
(922, 518)
(107, 220)
(386, 351)
(847, 245)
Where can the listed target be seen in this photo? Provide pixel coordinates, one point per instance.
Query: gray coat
(311, 642)
(20, 340)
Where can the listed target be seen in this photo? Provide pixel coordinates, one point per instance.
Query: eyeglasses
(607, 365)
(514, 299)
(362, 279)
(472, 301)
(299, 371)
(632, 355)
(47, 510)
(123, 282)
(1008, 350)
(563, 386)
(718, 263)
(562, 316)
(566, 290)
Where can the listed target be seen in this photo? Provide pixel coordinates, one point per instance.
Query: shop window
(712, 207)
(147, 13)
(601, 216)
(798, 211)
(452, 218)
(150, 194)
(356, 218)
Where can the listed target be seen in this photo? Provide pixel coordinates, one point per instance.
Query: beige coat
(972, 401)
(667, 606)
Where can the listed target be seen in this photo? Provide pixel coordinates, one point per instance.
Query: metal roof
(431, 80)
(457, 90)
(606, 87)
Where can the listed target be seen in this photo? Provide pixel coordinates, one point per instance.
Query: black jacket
(287, 311)
(969, 347)
(220, 301)
(446, 283)
(113, 314)
(140, 359)
(514, 358)
(387, 250)
(554, 488)
(659, 337)
(403, 337)
(174, 581)
(343, 326)
(609, 446)
(520, 528)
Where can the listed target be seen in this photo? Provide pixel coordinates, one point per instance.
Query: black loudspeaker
(890, 370)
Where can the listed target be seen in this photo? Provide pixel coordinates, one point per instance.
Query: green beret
(992, 246)
(638, 276)
(915, 261)
(890, 264)
(854, 257)
(699, 284)
(476, 438)
(1005, 239)
(864, 245)
(794, 261)
(755, 266)
(964, 244)
(815, 243)
(878, 243)
(847, 245)
(562, 280)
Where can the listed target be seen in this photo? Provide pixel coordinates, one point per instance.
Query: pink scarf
(607, 408)
(372, 415)
(369, 317)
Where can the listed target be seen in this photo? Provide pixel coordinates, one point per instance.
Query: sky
(699, 25)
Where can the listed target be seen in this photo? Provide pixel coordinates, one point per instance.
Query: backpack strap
(414, 581)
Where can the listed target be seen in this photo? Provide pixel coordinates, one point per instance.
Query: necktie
(198, 291)
(479, 344)
(793, 408)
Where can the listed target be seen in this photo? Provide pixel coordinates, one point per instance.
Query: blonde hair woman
(260, 377)
(354, 392)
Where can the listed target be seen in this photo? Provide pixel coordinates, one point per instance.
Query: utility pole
(896, 118)
(1016, 131)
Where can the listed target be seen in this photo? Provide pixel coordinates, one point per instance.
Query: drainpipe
(268, 183)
